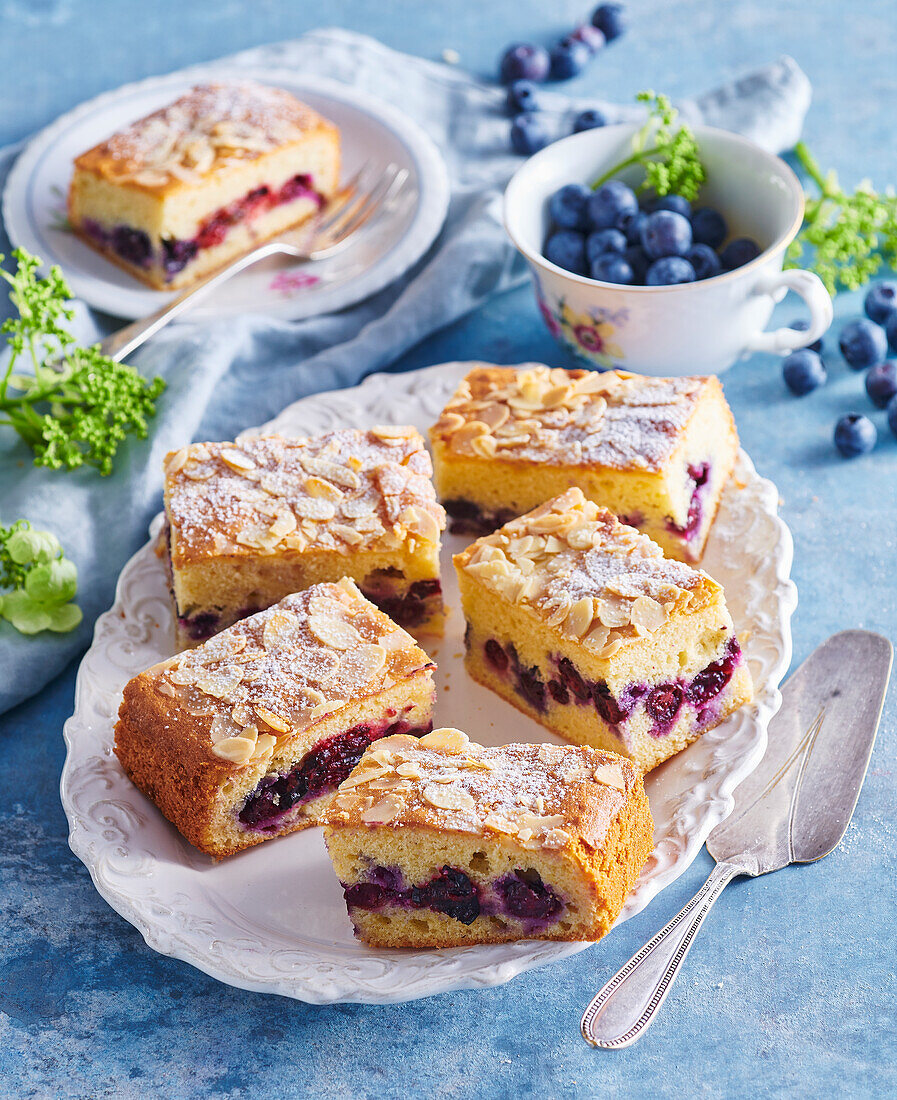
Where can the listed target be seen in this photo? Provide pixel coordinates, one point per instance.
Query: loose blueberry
(611, 204)
(524, 62)
(638, 261)
(666, 233)
(881, 383)
(803, 371)
(567, 206)
(528, 135)
(632, 226)
(590, 119)
(610, 19)
(604, 240)
(676, 203)
(863, 344)
(739, 252)
(855, 435)
(881, 301)
(891, 331)
(803, 326)
(612, 268)
(704, 260)
(708, 226)
(568, 58)
(567, 249)
(522, 97)
(670, 270)
(892, 415)
(590, 36)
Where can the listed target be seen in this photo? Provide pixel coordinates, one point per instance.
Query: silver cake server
(793, 809)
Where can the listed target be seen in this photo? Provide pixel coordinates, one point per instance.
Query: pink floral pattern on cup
(589, 334)
(287, 283)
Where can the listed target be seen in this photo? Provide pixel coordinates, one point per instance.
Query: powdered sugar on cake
(344, 491)
(562, 417)
(272, 675)
(543, 796)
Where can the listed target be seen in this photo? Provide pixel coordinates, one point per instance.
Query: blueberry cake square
(582, 623)
(248, 523)
(186, 189)
(248, 736)
(655, 451)
(442, 843)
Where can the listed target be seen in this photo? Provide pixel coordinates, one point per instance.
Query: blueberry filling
(319, 771)
(700, 476)
(413, 607)
(662, 702)
(467, 518)
(521, 895)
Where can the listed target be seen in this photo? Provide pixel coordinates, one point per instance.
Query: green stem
(811, 167)
(636, 158)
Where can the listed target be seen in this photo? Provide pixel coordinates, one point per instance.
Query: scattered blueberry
(610, 19)
(638, 261)
(567, 206)
(803, 326)
(610, 204)
(567, 249)
(708, 226)
(568, 58)
(669, 270)
(704, 260)
(880, 302)
(592, 38)
(891, 331)
(803, 371)
(611, 267)
(863, 344)
(676, 203)
(739, 252)
(855, 435)
(632, 226)
(528, 135)
(590, 119)
(881, 383)
(892, 415)
(666, 233)
(524, 62)
(522, 96)
(604, 240)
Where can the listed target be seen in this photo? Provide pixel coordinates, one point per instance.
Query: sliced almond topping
(273, 720)
(500, 824)
(198, 471)
(611, 775)
(524, 834)
(279, 629)
(382, 812)
(222, 728)
(614, 643)
(221, 683)
(419, 522)
(285, 524)
(449, 422)
(175, 461)
(331, 471)
(614, 612)
(556, 838)
(264, 746)
(409, 769)
(446, 739)
(347, 534)
(360, 665)
(580, 618)
(332, 631)
(484, 446)
(495, 415)
(364, 773)
(393, 433)
(237, 750)
(317, 487)
(316, 508)
(448, 798)
(237, 460)
(648, 613)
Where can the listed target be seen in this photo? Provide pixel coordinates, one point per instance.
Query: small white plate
(34, 203)
(273, 919)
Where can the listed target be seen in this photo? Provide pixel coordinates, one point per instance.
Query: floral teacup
(692, 328)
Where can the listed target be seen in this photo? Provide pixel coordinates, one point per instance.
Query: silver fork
(353, 206)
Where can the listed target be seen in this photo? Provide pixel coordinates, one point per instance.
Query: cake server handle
(625, 1008)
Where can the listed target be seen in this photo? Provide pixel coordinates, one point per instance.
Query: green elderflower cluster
(41, 581)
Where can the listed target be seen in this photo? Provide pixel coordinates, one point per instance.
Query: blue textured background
(790, 990)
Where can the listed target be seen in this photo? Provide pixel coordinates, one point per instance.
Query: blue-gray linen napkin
(214, 370)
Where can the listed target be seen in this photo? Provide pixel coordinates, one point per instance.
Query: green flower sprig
(77, 405)
(670, 156)
(42, 581)
(846, 236)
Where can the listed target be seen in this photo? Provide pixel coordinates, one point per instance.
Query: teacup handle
(781, 341)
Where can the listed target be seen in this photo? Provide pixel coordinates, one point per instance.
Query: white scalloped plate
(34, 202)
(272, 919)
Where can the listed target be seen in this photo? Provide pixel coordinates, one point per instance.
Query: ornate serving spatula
(793, 809)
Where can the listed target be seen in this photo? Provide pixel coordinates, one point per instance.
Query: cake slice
(248, 736)
(656, 451)
(249, 523)
(582, 623)
(441, 842)
(184, 190)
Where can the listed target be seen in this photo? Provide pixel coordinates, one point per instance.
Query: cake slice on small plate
(247, 736)
(655, 451)
(200, 181)
(248, 523)
(441, 842)
(582, 623)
